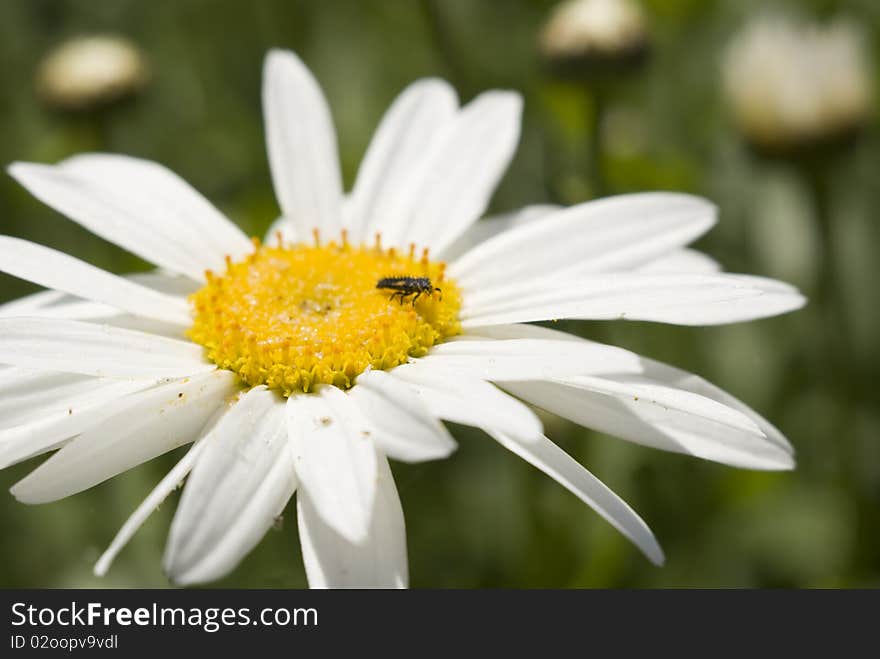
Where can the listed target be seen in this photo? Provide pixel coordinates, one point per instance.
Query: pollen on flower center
(295, 316)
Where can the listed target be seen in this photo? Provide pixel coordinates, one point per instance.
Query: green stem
(835, 363)
(596, 149)
(829, 292)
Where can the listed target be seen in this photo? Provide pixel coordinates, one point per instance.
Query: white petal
(144, 426)
(681, 261)
(73, 412)
(529, 359)
(677, 378)
(27, 395)
(27, 305)
(377, 561)
(749, 450)
(54, 269)
(521, 331)
(104, 315)
(285, 229)
(398, 420)
(556, 463)
(452, 185)
(616, 233)
(55, 304)
(463, 175)
(71, 308)
(100, 350)
(105, 196)
(677, 299)
(167, 203)
(659, 416)
(165, 282)
(146, 325)
(335, 462)
(239, 485)
(412, 123)
(489, 227)
(302, 146)
(451, 396)
(172, 480)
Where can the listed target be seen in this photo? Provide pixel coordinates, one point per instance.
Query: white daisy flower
(87, 72)
(290, 372)
(598, 28)
(792, 83)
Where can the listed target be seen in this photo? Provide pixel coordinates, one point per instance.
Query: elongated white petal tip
(655, 554)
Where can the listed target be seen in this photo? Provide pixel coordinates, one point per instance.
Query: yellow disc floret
(295, 316)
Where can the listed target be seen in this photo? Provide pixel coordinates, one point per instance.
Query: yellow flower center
(295, 316)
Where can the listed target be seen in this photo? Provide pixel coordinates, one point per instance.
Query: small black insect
(403, 287)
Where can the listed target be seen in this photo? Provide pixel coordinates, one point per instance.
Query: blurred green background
(484, 518)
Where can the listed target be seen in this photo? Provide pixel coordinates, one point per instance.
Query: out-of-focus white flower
(87, 72)
(607, 29)
(791, 84)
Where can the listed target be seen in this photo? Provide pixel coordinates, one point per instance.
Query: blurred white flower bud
(88, 72)
(594, 29)
(794, 85)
